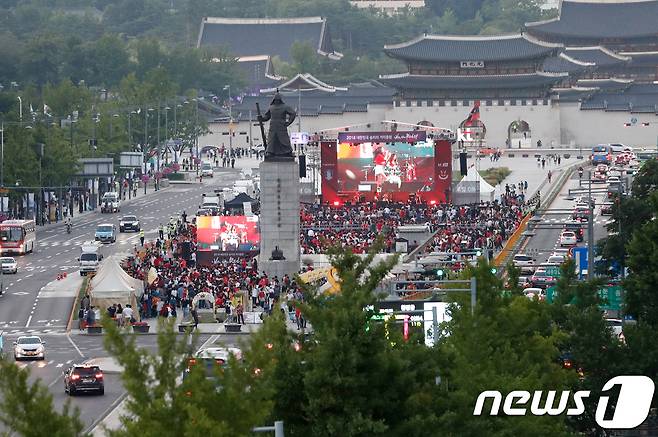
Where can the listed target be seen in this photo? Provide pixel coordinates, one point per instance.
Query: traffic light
(478, 253)
(439, 273)
(494, 270)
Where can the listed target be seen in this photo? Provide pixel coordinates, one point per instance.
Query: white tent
(113, 285)
(469, 184)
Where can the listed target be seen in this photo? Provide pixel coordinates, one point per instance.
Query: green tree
(508, 344)
(27, 408)
(160, 403)
(641, 298)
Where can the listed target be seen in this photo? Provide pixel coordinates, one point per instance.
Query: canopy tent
(237, 203)
(473, 182)
(113, 285)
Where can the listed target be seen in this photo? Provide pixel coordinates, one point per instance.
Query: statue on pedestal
(280, 117)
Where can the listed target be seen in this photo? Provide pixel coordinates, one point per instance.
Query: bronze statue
(280, 117)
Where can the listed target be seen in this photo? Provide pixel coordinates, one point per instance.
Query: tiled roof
(599, 20)
(564, 63)
(636, 98)
(642, 58)
(440, 48)
(355, 98)
(265, 36)
(512, 81)
(598, 55)
(258, 72)
(611, 83)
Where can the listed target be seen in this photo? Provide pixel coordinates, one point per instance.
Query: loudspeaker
(302, 166)
(463, 169)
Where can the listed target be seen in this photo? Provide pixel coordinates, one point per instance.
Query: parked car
(29, 347)
(524, 262)
(9, 264)
(81, 377)
(568, 238)
(129, 223)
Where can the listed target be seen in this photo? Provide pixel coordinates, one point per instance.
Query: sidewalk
(526, 169)
(77, 215)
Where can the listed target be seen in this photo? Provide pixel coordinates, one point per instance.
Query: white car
(9, 264)
(532, 292)
(555, 260)
(524, 262)
(613, 180)
(29, 347)
(616, 325)
(568, 238)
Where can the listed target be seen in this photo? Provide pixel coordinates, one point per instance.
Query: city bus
(601, 154)
(17, 237)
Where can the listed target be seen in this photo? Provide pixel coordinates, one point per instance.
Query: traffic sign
(553, 271)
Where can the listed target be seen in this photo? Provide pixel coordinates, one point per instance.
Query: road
(547, 230)
(27, 308)
(63, 350)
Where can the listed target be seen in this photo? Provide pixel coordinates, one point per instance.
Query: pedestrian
(239, 311)
(525, 186)
(141, 237)
(559, 160)
(543, 163)
(85, 302)
(550, 175)
(161, 231)
(232, 162)
(195, 317)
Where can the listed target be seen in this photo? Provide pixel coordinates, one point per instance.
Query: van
(212, 202)
(90, 258)
(110, 202)
(206, 169)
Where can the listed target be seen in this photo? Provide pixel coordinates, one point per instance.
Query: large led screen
(230, 233)
(386, 167)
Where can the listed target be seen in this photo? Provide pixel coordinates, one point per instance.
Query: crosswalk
(79, 243)
(600, 221)
(53, 330)
(44, 363)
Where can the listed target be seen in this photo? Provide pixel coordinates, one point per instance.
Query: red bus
(17, 237)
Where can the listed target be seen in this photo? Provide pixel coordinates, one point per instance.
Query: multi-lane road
(547, 229)
(31, 306)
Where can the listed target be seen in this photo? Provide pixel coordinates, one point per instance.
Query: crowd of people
(486, 225)
(235, 283)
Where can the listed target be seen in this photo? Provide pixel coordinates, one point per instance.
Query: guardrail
(512, 245)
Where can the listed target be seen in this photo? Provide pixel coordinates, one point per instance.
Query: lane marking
(75, 346)
(29, 319)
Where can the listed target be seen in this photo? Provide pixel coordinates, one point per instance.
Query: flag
(47, 110)
(474, 115)
(152, 275)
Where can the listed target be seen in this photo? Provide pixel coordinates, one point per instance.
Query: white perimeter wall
(594, 127)
(555, 124)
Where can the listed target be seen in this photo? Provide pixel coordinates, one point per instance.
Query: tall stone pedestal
(279, 217)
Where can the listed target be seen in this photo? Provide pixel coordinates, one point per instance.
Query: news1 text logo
(630, 410)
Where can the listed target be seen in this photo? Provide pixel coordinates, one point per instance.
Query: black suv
(79, 378)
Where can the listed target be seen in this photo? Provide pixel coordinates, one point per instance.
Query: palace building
(588, 76)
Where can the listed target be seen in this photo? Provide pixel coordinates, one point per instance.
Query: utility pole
(590, 230)
(2, 170)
